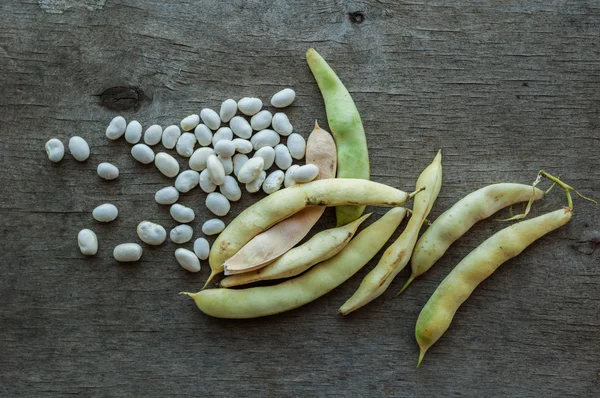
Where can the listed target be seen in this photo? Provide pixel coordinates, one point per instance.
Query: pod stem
(210, 278)
(413, 194)
(567, 188)
(421, 356)
(408, 282)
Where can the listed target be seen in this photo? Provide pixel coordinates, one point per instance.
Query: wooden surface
(504, 88)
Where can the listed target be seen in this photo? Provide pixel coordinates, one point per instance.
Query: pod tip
(408, 282)
(316, 125)
(421, 356)
(210, 278)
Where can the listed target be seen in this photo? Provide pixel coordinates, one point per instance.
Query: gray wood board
(504, 88)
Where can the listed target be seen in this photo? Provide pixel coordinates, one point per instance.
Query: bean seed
(151, 233)
(251, 170)
(216, 171)
(210, 118)
(240, 127)
(88, 242)
(188, 123)
(261, 120)
(268, 155)
(213, 226)
(185, 144)
(55, 150)
(142, 153)
(166, 164)
(187, 259)
(228, 110)
(282, 124)
(254, 186)
(227, 163)
(79, 148)
(283, 98)
(230, 189)
(116, 128)
(224, 133)
(199, 157)
(265, 138)
(181, 213)
(107, 171)
(153, 135)
(238, 161)
(181, 234)
(170, 136)
(288, 180)
(225, 148)
(133, 132)
(105, 213)
(217, 204)
(127, 252)
(203, 135)
(201, 248)
(283, 159)
(306, 173)
(249, 106)
(187, 180)
(205, 183)
(273, 182)
(166, 196)
(297, 145)
(242, 146)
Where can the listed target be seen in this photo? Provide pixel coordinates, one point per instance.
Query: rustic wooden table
(503, 89)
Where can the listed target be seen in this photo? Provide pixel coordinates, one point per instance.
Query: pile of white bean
(222, 161)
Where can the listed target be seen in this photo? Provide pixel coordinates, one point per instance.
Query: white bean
(166, 196)
(188, 123)
(228, 110)
(297, 145)
(79, 148)
(55, 150)
(181, 234)
(181, 213)
(133, 132)
(153, 135)
(142, 153)
(203, 135)
(251, 170)
(210, 118)
(105, 213)
(268, 155)
(185, 144)
(306, 173)
(224, 133)
(288, 181)
(187, 180)
(249, 106)
(116, 128)
(283, 159)
(283, 98)
(273, 182)
(201, 248)
(216, 171)
(282, 124)
(88, 242)
(254, 186)
(151, 233)
(107, 171)
(230, 189)
(265, 138)
(187, 259)
(199, 157)
(227, 163)
(261, 120)
(170, 136)
(240, 127)
(127, 252)
(205, 183)
(213, 226)
(225, 148)
(238, 161)
(217, 204)
(166, 164)
(242, 146)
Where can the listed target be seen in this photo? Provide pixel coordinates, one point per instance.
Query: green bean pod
(322, 278)
(347, 129)
(436, 316)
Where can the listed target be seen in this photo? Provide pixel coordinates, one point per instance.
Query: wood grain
(504, 88)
